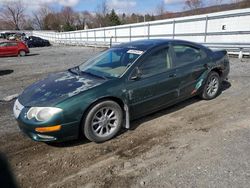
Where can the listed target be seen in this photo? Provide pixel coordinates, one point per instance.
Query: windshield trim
(131, 64)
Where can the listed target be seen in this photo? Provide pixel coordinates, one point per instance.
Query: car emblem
(17, 108)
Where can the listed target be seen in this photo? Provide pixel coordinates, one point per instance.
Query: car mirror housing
(136, 75)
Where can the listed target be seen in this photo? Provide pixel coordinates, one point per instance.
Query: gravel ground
(193, 144)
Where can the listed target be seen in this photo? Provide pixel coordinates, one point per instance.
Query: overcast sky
(127, 6)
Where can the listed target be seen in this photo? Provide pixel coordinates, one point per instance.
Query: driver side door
(156, 87)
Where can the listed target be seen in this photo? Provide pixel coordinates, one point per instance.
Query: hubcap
(104, 122)
(213, 86)
(22, 53)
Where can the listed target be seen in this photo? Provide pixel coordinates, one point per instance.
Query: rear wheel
(22, 53)
(212, 86)
(103, 121)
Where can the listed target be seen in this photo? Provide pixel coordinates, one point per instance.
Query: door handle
(172, 75)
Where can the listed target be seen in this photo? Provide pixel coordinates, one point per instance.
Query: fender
(124, 106)
(203, 77)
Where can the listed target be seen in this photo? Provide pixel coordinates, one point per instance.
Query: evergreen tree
(114, 19)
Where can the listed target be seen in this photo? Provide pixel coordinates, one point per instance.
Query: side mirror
(136, 75)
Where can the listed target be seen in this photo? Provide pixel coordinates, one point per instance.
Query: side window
(156, 63)
(128, 58)
(2, 44)
(132, 58)
(11, 44)
(186, 54)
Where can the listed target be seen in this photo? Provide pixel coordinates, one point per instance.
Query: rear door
(189, 62)
(157, 85)
(3, 48)
(12, 48)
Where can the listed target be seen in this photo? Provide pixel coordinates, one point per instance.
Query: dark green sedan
(125, 82)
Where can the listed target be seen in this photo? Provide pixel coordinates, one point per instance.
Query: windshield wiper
(99, 76)
(75, 70)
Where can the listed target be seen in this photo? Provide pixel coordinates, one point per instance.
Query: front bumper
(69, 131)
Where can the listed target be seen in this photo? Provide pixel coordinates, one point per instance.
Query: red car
(13, 48)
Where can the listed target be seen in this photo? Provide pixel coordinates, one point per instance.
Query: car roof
(147, 44)
(4, 40)
(11, 41)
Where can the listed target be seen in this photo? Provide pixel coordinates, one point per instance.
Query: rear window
(187, 54)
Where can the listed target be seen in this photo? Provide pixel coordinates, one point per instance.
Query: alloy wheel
(104, 122)
(212, 86)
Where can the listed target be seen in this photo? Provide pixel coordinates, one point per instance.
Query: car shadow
(5, 72)
(27, 55)
(71, 143)
(6, 57)
(225, 85)
(35, 54)
(136, 123)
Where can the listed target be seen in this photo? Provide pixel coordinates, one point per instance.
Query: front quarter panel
(75, 107)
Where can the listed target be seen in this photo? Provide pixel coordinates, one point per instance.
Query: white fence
(229, 29)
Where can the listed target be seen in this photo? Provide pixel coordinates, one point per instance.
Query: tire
(103, 121)
(22, 53)
(212, 86)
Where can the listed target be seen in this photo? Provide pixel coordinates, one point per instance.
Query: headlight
(42, 113)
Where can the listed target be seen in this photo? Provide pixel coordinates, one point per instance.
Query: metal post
(104, 35)
(115, 35)
(148, 31)
(69, 38)
(95, 35)
(75, 37)
(173, 29)
(110, 42)
(241, 54)
(80, 41)
(205, 37)
(130, 33)
(58, 38)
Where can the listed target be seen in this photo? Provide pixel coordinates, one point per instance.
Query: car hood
(56, 88)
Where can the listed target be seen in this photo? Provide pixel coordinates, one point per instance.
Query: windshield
(110, 63)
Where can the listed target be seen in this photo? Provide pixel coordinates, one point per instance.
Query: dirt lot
(193, 144)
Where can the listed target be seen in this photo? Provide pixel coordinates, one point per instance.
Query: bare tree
(13, 14)
(53, 22)
(84, 19)
(102, 14)
(40, 15)
(219, 2)
(236, 1)
(102, 8)
(68, 18)
(160, 9)
(193, 4)
(68, 15)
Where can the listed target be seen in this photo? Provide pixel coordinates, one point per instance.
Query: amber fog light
(48, 129)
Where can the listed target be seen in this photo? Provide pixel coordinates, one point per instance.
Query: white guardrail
(229, 30)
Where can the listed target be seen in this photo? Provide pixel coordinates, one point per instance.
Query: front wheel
(103, 121)
(22, 53)
(212, 86)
